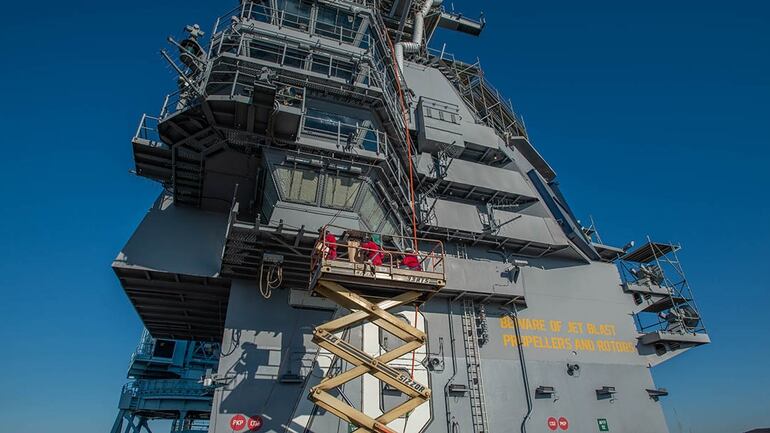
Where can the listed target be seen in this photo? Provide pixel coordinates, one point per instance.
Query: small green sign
(603, 425)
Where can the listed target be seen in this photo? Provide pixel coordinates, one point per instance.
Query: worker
(330, 242)
(327, 244)
(373, 251)
(410, 261)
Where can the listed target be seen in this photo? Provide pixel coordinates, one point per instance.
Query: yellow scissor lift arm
(325, 283)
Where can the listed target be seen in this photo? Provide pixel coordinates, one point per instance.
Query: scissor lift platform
(378, 281)
(381, 281)
(369, 291)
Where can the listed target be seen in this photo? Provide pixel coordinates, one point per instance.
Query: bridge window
(320, 64)
(295, 58)
(388, 227)
(330, 123)
(336, 24)
(296, 13)
(372, 212)
(258, 10)
(354, 129)
(164, 349)
(297, 185)
(340, 192)
(341, 69)
(265, 51)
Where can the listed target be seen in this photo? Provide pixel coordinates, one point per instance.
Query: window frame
(285, 195)
(354, 205)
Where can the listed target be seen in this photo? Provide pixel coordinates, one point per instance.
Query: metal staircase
(473, 361)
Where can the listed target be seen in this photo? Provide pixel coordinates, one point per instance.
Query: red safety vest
(374, 252)
(411, 261)
(331, 243)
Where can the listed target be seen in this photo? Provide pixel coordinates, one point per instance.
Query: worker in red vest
(410, 261)
(373, 251)
(330, 242)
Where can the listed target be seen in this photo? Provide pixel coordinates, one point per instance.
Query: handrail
(147, 131)
(356, 137)
(164, 387)
(477, 81)
(432, 260)
(251, 11)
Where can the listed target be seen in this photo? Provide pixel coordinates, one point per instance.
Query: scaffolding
(166, 385)
(654, 276)
(488, 105)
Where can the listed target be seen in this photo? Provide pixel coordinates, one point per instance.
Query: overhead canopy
(607, 252)
(649, 251)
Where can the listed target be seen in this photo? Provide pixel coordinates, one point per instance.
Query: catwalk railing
(147, 132)
(164, 389)
(344, 135)
(489, 106)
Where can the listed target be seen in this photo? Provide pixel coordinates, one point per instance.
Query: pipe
(524, 375)
(418, 29)
(450, 427)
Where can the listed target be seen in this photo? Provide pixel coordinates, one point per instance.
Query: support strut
(363, 310)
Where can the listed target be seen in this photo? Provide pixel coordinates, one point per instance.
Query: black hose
(450, 427)
(524, 376)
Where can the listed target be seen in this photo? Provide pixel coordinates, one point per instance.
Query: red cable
(402, 101)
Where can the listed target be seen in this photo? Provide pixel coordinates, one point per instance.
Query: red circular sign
(237, 422)
(254, 423)
(563, 423)
(552, 423)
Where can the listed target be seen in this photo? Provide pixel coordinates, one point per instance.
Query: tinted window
(321, 64)
(340, 191)
(295, 58)
(295, 13)
(371, 210)
(265, 51)
(296, 184)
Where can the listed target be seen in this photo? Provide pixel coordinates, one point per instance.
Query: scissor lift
(377, 290)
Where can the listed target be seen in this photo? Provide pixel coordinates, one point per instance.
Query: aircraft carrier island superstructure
(356, 234)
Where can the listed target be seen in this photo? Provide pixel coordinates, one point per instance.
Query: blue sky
(654, 115)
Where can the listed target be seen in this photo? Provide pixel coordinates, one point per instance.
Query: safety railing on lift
(428, 255)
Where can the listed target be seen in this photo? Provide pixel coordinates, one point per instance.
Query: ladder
(473, 361)
(429, 187)
(363, 310)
